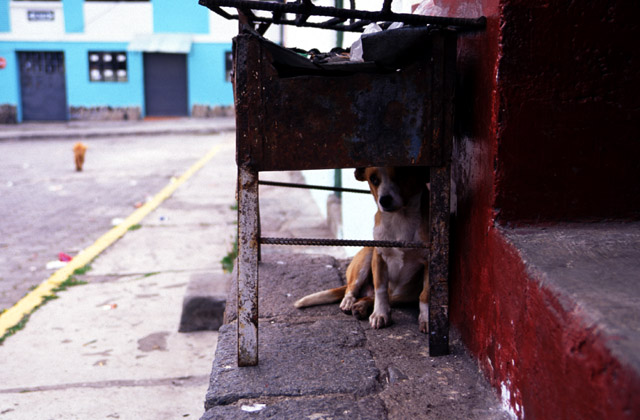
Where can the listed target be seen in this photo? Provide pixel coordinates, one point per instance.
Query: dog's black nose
(386, 201)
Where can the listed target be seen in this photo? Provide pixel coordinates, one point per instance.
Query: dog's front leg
(423, 318)
(381, 308)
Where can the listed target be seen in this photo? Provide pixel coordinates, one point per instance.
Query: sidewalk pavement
(88, 129)
(111, 348)
(319, 363)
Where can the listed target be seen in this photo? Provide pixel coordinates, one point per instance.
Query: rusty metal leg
(248, 247)
(439, 261)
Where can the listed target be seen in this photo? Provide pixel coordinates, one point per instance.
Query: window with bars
(228, 66)
(108, 66)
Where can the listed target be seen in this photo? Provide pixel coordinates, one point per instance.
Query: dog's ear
(359, 174)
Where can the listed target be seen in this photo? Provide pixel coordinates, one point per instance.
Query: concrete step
(594, 272)
(587, 328)
(552, 314)
(320, 363)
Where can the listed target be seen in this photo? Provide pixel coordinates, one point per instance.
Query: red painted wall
(569, 116)
(548, 130)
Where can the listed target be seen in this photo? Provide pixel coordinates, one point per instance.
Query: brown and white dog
(380, 277)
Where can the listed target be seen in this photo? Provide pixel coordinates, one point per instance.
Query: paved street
(47, 207)
(111, 348)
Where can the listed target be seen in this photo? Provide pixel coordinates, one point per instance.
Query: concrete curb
(26, 131)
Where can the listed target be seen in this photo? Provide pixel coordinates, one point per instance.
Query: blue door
(165, 84)
(42, 86)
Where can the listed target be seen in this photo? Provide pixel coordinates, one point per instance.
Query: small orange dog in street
(79, 149)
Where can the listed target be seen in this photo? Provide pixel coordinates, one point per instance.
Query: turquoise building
(86, 59)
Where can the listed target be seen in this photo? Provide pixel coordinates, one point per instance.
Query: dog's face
(393, 187)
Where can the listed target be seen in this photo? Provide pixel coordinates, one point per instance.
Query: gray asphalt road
(46, 207)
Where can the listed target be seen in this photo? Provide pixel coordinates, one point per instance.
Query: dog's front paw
(379, 319)
(347, 303)
(424, 326)
(423, 319)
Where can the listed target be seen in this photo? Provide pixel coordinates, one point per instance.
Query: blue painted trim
(5, 20)
(172, 16)
(73, 15)
(206, 74)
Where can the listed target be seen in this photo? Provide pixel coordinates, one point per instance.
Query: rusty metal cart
(296, 114)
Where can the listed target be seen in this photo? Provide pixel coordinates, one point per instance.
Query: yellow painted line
(27, 304)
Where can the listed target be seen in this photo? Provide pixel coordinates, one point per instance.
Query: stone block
(8, 114)
(204, 302)
(327, 356)
(285, 278)
(313, 407)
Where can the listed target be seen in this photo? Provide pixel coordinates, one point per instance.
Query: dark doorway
(42, 86)
(165, 84)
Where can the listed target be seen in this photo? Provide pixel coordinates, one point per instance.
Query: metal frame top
(358, 19)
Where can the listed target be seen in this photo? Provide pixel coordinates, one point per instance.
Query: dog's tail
(321, 298)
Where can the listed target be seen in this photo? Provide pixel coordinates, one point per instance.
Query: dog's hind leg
(362, 308)
(358, 272)
(79, 162)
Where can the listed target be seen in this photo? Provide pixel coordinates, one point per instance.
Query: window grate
(108, 66)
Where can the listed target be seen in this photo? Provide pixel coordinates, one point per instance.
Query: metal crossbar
(358, 19)
(313, 187)
(341, 242)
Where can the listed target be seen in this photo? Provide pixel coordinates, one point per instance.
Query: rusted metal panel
(439, 261)
(442, 94)
(340, 120)
(351, 121)
(440, 200)
(247, 269)
(248, 99)
(436, 97)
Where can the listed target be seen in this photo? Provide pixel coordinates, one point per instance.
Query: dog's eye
(374, 180)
